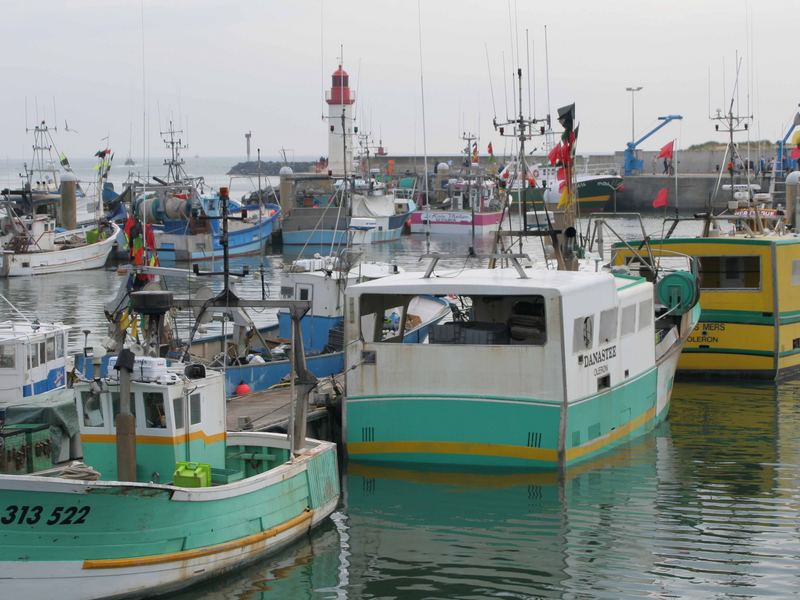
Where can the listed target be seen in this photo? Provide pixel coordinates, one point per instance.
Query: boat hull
(454, 221)
(751, 331)
(83, 258)
(177, 247)
(170, 537)
(495, 431)
(388, 230)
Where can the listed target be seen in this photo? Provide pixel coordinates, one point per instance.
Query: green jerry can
(13, 459)
(38, 445)
(192, 474)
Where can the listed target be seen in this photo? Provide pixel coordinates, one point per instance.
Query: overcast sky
(225, 67)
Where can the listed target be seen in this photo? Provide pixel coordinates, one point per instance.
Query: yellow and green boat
(750, 282)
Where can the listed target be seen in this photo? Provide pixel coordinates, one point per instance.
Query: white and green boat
(177, 498)
(539, 369)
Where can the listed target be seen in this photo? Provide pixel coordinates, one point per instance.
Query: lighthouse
(340, 101)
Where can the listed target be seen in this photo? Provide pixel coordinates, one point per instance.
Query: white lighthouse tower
(340, 101)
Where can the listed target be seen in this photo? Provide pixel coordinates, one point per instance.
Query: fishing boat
(595, 191)
(468, 204)
(31, 245)
(539, 367)
(32, 359)
(343, 217)
(187, 229)
(749, 262)
(167, 496)
(187, 220)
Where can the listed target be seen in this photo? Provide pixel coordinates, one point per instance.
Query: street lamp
(633, 90)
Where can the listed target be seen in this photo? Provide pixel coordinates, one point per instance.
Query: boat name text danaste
(599, 356)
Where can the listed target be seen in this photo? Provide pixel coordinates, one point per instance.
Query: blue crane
(631, 162)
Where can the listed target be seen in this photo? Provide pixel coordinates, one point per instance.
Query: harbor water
(705, 506)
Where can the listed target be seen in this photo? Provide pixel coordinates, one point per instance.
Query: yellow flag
(564, 200)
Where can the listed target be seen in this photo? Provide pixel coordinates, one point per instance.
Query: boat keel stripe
(141, 561)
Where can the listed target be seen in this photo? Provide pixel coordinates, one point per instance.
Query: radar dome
(442, 166)
(285, 171)
(793, 178)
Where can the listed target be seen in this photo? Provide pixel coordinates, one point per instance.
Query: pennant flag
(390, 167)
(795, 153)
(63, 160)
(490, 149)
(554, 156)
(475, 152)
(661, 198)
(666, 150)
(561, 174)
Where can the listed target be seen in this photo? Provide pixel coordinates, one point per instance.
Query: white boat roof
(20, 330)
(494, 282)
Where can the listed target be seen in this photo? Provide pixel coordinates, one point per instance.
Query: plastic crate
(192, 474)
(38, 445)
(13, 456)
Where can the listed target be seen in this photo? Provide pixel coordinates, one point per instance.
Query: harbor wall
(696, 162)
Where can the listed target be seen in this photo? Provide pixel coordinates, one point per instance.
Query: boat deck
(267, 411)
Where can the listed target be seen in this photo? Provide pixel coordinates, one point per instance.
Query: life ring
(536, 173)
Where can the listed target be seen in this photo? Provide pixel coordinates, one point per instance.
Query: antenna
(491, 87)
(731, 123)
(547, 74)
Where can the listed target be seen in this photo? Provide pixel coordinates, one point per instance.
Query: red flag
(555, 154)
(795, 153)
(666, 150)
(661, 198)
(490, 149)
(561, 174)
(390, 167)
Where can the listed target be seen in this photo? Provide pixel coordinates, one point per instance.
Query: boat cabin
(178, 418)
(576, 334)
(32, 358)
(322, 282)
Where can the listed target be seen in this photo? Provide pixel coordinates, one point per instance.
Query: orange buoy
(242, 389)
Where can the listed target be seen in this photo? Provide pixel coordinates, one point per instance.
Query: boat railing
(642, 253)
(512, 258)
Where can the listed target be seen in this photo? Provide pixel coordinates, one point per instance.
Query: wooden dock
(268, 410)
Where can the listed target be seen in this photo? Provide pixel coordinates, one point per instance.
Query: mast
(470, 139)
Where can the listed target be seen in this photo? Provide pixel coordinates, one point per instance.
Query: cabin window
(796, 272)
(304, 292)
(628, 325)
(526, 324)
(51, 348)
(92, 410)
(42, 354)
(730, 272)
(155, 417)
(194, 409)
(608, 325)
(33, 356)
(59, 346)
(8, 354)
(287, 291)
(115, 405)
(381, 316)
(645, 313)
(177, 408)
(583, 333)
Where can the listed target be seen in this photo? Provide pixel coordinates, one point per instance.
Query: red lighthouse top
(340, 88)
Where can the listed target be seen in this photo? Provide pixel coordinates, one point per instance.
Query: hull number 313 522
(31, 515)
